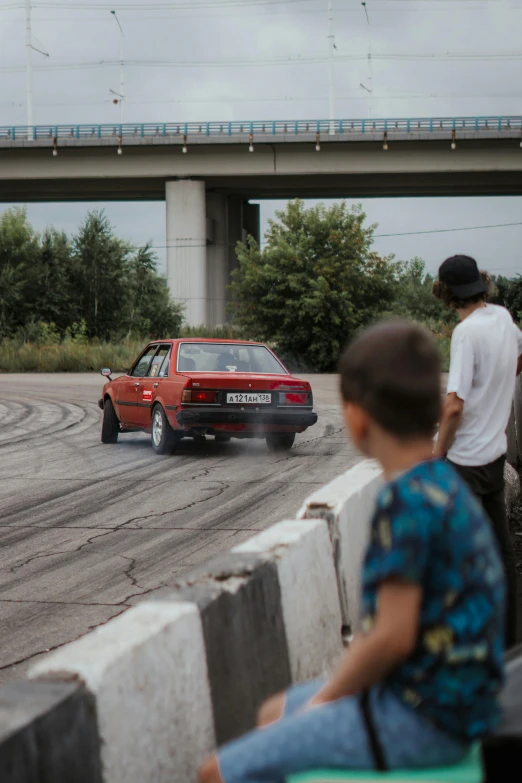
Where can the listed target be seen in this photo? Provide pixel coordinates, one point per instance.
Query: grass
(16, 355)
(67, 357)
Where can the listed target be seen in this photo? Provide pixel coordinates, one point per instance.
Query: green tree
(151, 310)
(49, 293)
(100, 277)
(414, 298)
(509, 294)
(315, 283)
(18, 254)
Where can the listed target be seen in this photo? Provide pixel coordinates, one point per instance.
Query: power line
(292, 60)
(286, 99)
(465, 5)
(174, 16)
(447, 230)
(179, 245)
(158, 6)
(267, 99)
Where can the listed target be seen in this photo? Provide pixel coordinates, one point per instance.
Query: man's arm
(519, 348)
(371, 657)
(449, 424)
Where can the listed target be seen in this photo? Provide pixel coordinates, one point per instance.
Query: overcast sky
(263, 59)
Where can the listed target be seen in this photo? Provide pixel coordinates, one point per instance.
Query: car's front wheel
(110, 424)
(280, 441)
(162, 435)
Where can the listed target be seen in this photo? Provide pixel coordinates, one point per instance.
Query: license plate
(245, 398)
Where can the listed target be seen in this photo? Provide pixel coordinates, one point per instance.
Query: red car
(198, 387)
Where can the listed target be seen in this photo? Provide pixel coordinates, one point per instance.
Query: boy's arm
(371, 657)
(449, 424)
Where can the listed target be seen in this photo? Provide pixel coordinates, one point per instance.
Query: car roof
(204, 340)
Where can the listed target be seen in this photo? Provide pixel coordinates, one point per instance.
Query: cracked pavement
(88, 530)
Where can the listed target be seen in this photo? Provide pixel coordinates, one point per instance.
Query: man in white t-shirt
(485, 351)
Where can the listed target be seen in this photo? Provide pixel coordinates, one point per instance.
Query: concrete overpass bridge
(207, 172)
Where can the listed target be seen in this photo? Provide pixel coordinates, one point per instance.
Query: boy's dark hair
(392, 370)
(443, 292)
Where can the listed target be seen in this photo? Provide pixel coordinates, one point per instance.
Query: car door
(131, 402)
(151, 385)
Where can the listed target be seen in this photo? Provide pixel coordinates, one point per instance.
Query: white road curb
(147, 670)
(347, 505)
(303, 554)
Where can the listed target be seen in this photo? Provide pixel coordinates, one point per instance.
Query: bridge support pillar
(251, 220)
(203, 230)
(242, 220)
(229, 220)
(217, 258)
(187, 247)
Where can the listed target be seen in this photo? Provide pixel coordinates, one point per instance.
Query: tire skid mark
(217, 494)
(62, 644)
(61, 414)
(107, 531)
(45, 430)
(44, 436)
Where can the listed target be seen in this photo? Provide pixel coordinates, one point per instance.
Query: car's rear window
(227, 357)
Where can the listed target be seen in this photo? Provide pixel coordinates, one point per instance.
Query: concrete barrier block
(147, 671)
(517, 404)
(48, 734)
(302, 551)
(512, 487)
(347, 505)
(247, 654)
(511, 432)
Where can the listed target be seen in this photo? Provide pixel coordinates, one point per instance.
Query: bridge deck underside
(497, 183)
(480, 167)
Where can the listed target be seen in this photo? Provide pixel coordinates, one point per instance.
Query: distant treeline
(92, 285)
(307, 291)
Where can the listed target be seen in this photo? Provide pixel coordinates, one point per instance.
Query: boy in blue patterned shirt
(421, 680)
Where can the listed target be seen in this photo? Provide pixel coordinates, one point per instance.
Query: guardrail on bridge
(498, 124)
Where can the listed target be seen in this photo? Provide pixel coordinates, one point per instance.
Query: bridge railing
(262, 128)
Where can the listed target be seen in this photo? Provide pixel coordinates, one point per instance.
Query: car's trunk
(244, 381)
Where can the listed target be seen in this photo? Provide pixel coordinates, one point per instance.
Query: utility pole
(28, 69)
(369, 88)
(121, 93)
(331, 79)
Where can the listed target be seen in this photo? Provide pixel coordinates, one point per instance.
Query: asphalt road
(86, 530)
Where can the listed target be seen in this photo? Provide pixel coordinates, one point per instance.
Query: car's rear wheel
(163, 437)
(110, 424)
(280, 441)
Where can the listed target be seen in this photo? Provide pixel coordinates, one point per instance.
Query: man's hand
(449, 424)
(372, 657)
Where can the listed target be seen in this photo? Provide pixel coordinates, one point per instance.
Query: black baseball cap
(462, 276)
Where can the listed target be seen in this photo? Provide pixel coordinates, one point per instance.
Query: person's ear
(356, 420)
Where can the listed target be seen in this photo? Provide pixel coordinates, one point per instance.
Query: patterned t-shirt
(428, 528)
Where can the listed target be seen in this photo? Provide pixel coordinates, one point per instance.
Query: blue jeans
(334, 736)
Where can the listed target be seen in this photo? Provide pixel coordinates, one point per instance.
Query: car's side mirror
(106, 373)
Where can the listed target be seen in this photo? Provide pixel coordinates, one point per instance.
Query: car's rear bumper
(208, 417)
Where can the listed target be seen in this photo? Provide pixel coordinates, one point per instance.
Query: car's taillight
(198, 397)
(294, 398)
